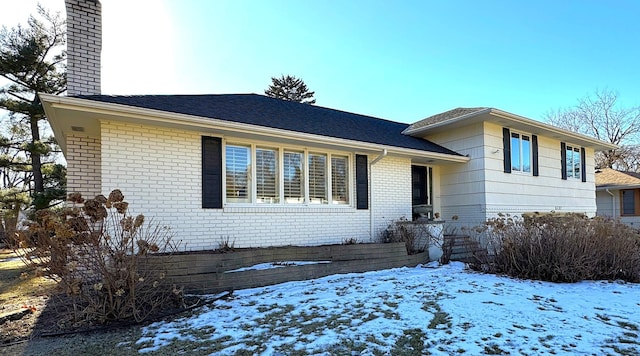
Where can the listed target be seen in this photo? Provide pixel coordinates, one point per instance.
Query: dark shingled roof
(447, 115)
(265, 111)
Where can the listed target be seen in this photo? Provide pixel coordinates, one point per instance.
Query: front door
(419, 191)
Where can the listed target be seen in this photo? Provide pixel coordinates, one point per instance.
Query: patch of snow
(451, 310)
(278, 264)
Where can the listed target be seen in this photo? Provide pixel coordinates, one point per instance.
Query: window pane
(515, 152)
(238, 162)
(293, 183)
(266, 176)
(576, 163)
(526, 154)
(339, 186)
(317, 178)
(628, 202)
(569, 162)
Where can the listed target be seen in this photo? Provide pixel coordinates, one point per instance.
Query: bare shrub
(349, 241)
(226, 245)
(566, 248)
(403, 230)
(98, 253)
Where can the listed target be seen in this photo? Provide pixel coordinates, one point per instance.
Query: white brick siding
(159, 171)
(84, 44)
(391, 191)
(83, 165)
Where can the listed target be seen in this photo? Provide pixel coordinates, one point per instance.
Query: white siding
(609, 206)
(460, 188)
(480, 189)
(517, 193)
(159, 171)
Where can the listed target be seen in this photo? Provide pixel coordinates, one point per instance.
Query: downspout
(382, 155)
(613, 203)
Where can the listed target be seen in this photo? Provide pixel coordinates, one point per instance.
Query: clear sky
(399, 60)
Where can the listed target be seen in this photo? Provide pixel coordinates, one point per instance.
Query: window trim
(305, 151)
(507, 150)
(636, 202)
(576, 150)
(521, 138)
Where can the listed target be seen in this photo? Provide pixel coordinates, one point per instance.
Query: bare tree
(600, 115)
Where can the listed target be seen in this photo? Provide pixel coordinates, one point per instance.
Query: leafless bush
(226, 245)
(565, 248)
(349, 241)
(403, 231)
(97, 252)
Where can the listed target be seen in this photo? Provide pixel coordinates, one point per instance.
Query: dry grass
(18, 283)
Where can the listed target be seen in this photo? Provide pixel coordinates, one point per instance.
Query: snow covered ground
(411, 311)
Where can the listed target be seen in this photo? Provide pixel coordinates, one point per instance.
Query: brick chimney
(84, 44)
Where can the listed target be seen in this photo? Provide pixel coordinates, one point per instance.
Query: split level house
(260, 171)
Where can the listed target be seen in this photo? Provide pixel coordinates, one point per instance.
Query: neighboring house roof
(461, 117)
(607, 178)
(262, 110)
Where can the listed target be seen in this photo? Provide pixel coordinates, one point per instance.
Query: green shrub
(97, 253)
(565, 248)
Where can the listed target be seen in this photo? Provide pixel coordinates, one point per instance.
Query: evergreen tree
(32, 60)
(290, 88)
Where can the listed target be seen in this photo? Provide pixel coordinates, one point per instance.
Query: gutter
(382, 155)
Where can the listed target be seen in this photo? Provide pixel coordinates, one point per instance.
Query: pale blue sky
(399, 60)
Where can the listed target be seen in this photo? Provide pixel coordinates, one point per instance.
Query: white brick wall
(83, 165)
(84, 43)
(159, 171)
(391, 191)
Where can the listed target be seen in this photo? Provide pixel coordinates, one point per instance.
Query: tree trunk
(36, 164)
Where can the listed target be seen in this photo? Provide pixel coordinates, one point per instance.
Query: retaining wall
(217, 272)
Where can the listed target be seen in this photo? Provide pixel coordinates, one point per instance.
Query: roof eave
(419, 130)
(585, 140)
(594, 143)
(52, 103)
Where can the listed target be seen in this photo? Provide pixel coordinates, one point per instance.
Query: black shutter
(534, 148)
(583, 164)
(211, 172)
(362, 182)
(563, 159)
(506, 149)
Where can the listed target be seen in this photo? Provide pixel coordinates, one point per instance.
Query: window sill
(288, 208)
